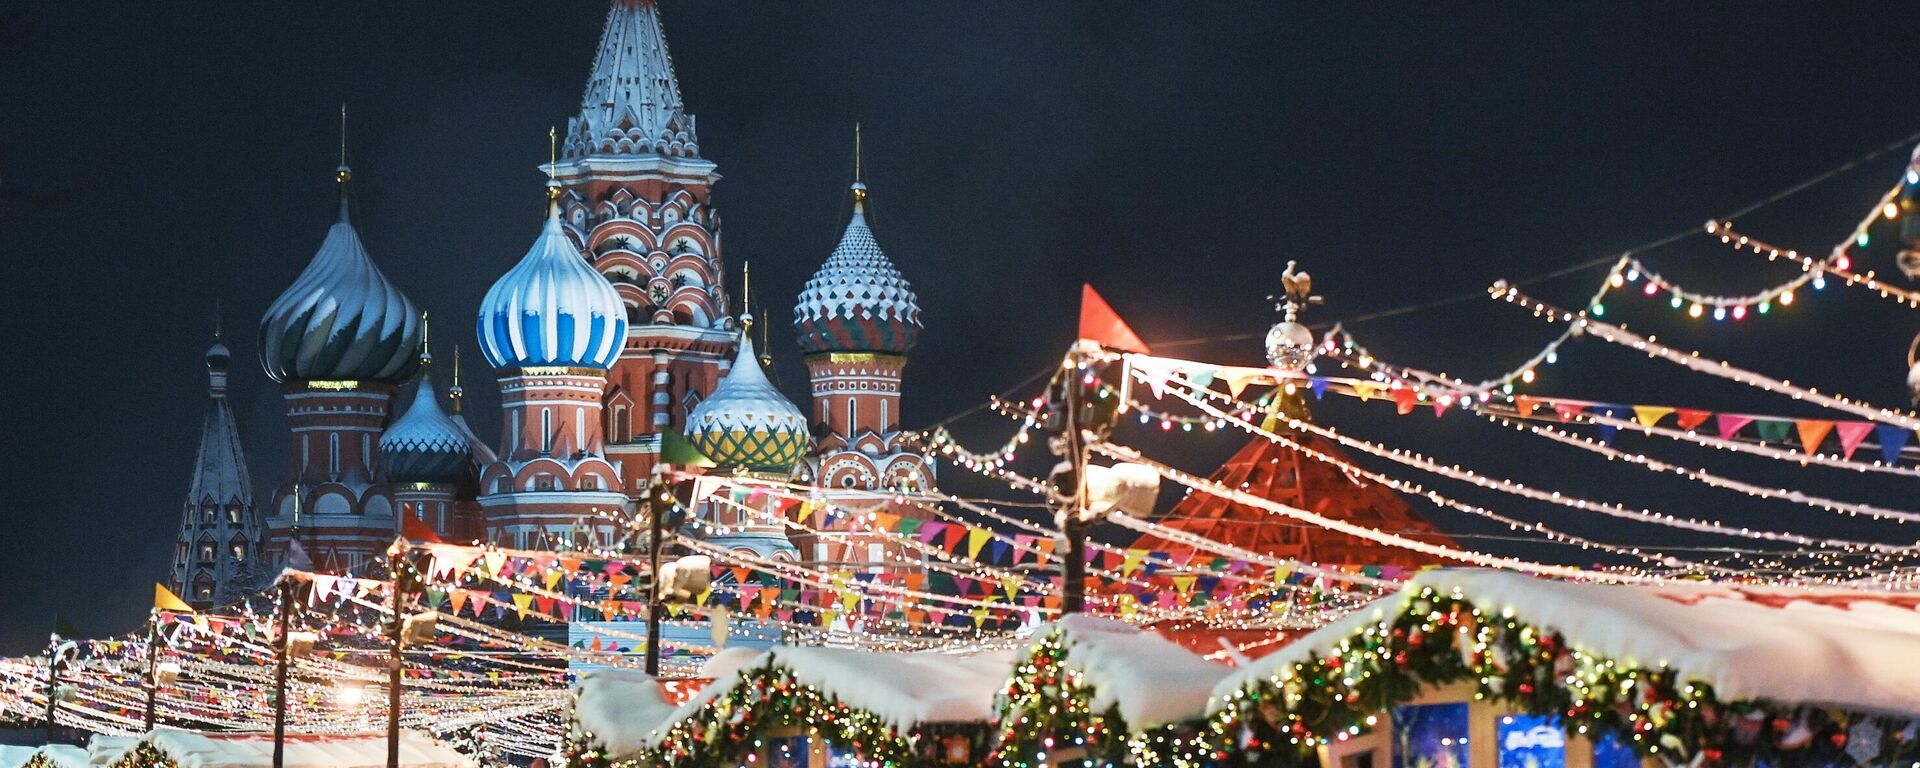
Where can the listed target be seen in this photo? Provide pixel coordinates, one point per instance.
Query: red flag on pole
(413, 529)
(1100, 324)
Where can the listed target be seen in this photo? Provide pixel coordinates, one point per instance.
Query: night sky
(157, 160)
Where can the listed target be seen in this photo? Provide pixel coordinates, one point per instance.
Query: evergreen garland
(1438, 640)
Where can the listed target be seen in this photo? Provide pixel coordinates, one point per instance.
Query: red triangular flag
(1100, 324)
(1404, 399)
(1568, 411)
(1688, 418)
(1851, 434)
(1812, 431)
(414, 529)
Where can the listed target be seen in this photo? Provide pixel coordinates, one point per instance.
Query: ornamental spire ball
(341, 320)
(1290, 344)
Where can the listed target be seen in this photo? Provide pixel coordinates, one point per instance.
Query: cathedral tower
(551, 327)
(338, 341)
(636, 196)
(428, 458)
(856, 320)
(216, 558)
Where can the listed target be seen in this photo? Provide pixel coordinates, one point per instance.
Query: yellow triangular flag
(166, 600)
(1649, 415)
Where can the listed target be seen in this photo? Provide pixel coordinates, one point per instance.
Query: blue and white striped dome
(552, 309)
(341, 320)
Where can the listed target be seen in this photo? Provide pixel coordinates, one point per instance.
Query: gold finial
(766, 356)
(454, 393)
(426, 332)
(553, 168)
(343, 174)
(746, 297)
(216, 318)
(859, 180)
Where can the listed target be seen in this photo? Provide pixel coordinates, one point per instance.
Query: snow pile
(64, 755)
(904, 689)
(621, 708)
(14, 757)
(107, 749)
(1842, 648)
(1152, 680)
(202, 750)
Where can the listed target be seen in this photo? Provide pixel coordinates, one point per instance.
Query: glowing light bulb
(1861, 240)
(1786, 299)
(1913, 177)
(1842, 261)
(1553, 357)
(1764, 306)
(1616, 279)
(1527, 375)
(1740, 312)
(1719, 313)
(1632, 275)
(1599, 310)
(1695, 310)
(1675, 301)
(1891, 211)
(1651, 289)
(1819, 282)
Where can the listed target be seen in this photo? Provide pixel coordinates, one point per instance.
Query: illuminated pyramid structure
(1274, 471)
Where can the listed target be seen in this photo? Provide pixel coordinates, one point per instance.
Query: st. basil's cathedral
(616, 327)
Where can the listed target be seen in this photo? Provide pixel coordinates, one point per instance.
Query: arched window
(546, 430)
(853, 415)
(621, 430)
(233, 514)
(333, 453)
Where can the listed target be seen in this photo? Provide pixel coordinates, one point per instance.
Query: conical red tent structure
(1279, 473)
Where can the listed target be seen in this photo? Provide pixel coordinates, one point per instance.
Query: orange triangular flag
(1101, 325)
(165, 600)
(1812, 431)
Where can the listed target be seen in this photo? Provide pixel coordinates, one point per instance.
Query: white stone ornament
(1289, 346)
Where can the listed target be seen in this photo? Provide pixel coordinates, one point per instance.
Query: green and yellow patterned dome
(746, 423)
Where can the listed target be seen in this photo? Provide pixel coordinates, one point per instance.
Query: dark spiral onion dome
(424, 445)
(341, 320)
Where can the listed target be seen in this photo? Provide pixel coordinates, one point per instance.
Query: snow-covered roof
(63, 755)
(1152, 680)
(625, 711)
(1843, 648)
(12, 756)
(199, 750)
(105, 749)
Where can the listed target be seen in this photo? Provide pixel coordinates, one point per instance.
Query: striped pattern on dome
(341, 320)
(424, 445)
(552, 309)
(857, 301)
(746, 423)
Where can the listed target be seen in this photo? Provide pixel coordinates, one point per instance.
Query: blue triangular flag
(1607, 431)
(1319, 387)
(1202, 378)
(1892, 439)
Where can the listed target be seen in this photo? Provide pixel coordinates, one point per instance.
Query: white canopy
(248, 750)
(1845, 648)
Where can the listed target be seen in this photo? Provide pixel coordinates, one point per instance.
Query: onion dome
(552, 309)
(857, 302)
(341, 320)
(218, 357)
(746, 423)
(424, 445)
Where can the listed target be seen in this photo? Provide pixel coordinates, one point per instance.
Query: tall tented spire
(218, 527)
(632, 103)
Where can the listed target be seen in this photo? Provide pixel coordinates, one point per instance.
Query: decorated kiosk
(1098, 689)
(797, 707)
(1502, 670)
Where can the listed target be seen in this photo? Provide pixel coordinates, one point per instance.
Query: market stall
(798, 707)
(1491, 669)
(1093, 688)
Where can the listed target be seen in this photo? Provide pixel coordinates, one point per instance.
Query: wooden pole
(153, 656)
(283, 593)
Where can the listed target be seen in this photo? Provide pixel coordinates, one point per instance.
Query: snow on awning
(1153, 681)
(904, 689)
(1844, 648)
(201, 750)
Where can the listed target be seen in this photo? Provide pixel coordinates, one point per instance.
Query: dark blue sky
(157, 158)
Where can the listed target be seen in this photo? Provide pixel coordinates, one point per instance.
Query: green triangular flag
(674, 449)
